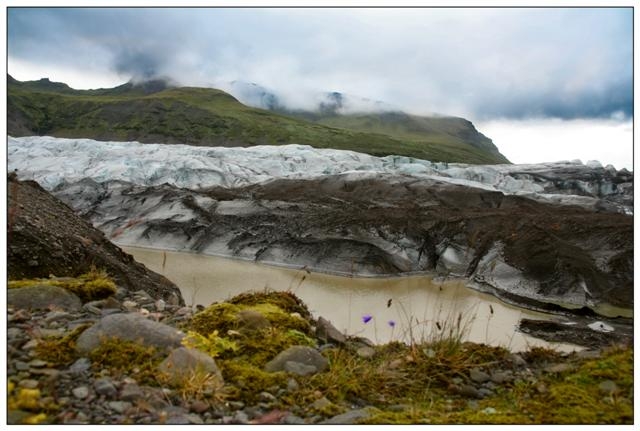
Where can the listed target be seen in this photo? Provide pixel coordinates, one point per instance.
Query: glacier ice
(53, 161)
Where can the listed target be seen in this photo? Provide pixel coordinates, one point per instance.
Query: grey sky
(479, 63)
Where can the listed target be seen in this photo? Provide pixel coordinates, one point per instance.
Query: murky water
(401, 308)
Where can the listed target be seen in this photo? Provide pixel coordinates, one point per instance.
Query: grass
(204, 116)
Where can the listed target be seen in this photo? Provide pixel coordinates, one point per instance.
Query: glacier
(55, 161)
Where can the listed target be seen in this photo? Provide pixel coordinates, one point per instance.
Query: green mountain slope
(155, 111)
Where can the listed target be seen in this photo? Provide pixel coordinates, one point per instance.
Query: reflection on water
(402, 308)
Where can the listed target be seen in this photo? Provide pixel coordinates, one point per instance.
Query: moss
(61, 350)
(29, 400)
(285, 301)
(247, 380)
(126, 358)
(212, 344)
(91, 286)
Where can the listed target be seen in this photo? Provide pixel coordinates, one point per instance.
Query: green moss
(91, 286)
(126, 358)
(285, 301)
(30, 401)
(61, 350)
(246, 381)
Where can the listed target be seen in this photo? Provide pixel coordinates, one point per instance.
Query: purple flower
(392, 323)
(366, 318)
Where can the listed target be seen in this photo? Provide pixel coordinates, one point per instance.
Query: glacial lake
(419, 306)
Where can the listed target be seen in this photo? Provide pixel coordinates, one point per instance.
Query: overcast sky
(514, 66)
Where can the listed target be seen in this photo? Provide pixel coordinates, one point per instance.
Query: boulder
(184, 361)
(131, 327)
(301, 354)
(43, 296)
(327, 333)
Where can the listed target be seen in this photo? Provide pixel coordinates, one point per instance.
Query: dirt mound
(45, 237)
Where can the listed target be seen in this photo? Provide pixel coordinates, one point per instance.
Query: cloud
(479, 63)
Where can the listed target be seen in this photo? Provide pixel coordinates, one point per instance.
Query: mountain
(160, 112)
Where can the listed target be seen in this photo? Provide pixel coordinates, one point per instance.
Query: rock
(199, 406)
(194, 419)
(267, 397)
(469, 391)
(291, 419)
(28, 384)
(489, 411)
(327, 333)
(130, 305)
(608, 387)
(119, 406)
(21, 366)
(321, 403)
(37, 363)
(184, 361)
(348, 418)
(43, 296)
(131, 392)
(80, 365)
(54, 316)
(301, 354)
(299, 369)
(559, 368)
(251, 320)
(240, 417)
(292, 385)
(132, 327)
(177, 420)
(81, 392)
(160, 305)
(479, 376)
(500, 377)
(518, 361)
(104, 386)
(366, 352)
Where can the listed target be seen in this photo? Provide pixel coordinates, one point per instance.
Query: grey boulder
(131, 327)
(43, 296)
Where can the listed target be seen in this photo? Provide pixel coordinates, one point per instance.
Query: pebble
(267, 397)
(81, 392)
(500, 377)
(479, 376)
(119, 406)
(469, 391)
(199, 406)
(365, 352)
(28, 384)
(292, 385)
(130, 305)
(37, 363)
(14, 332)
(21, 366)
(236, 405)
(240, 417)
(131, 392)
(79, 366)
(160, 305)
(293, 420)
(489, 411)
(321, 403)
(104, 386)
